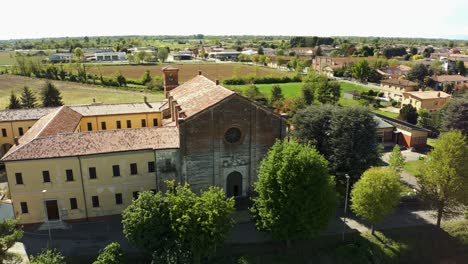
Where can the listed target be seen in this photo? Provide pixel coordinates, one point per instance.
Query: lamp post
(47, 220)
(345, 205)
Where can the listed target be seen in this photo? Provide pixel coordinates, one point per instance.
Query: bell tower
(171, 79)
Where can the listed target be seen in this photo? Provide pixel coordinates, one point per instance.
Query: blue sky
(394, 18)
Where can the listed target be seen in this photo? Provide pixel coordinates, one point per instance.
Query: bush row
(261, 80)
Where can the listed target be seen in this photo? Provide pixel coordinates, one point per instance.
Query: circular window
(233, 135)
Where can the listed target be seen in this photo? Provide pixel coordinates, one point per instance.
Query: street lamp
(47, 220)
(345, 204)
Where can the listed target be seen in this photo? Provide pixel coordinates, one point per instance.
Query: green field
(72, 93)
(7, 58)
(385, 113)
(414, 167)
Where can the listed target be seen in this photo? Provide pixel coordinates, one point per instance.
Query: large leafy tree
(409, 114)
(444, 178)
(461, 68)
(276, 95)
(328, 92)
(296, 196)
(163, 53)
(345, 136)
(28, 99)
(186, 225)
(396, 160)
(48, 256)
(14, 102)
(455, 116)
(418, 73)
(10, 233)
(376, 195)
(111, 254)
(51, 96)
(361, 70)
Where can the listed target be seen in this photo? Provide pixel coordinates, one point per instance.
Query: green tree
(120, 79)
(444, 177)
(146, 78)
(156, 84)
(51, 96)
(345, 136)
(418, 73)
(276, 94)
(111, 254)
(409, 114)
(308, 92)
(163, 53)
(142, 56)
(461, 69)
(376, 195)
(10, 233)
(455, 115)
(186, 225)
(284, 206)
(396, 160)
(48, 256)
(328, 92)
(14, 102)
(252, 92)
(28, 99)
(361, 70)
(78, 54)
(425, 119)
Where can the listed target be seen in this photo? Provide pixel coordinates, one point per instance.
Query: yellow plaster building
(430, 100)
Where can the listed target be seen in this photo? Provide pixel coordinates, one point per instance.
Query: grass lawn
(72, 93)
(7, 58)
(414, 167)
(458, 230)
(385, 113)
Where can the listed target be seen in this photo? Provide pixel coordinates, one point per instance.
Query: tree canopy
(408, 113)
(163, 53)
(345, 136)
(455, 116)
(295, 194)
(396, 160)
(444, 178)
(361, 70)
(48, 256)
(28, 99)
(14, 102)
(10, 233)
(111, 254)
(186, 225)
(376, 194)
(51, 96)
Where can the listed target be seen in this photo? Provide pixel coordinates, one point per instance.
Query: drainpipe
(83, 188)
(156, 170)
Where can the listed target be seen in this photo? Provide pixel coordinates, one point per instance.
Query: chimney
(180, 120)
(16, 141)
(145, 99)
(199, 72)
(438, 94)
(94, 100)
(420, 90)
(217, 82)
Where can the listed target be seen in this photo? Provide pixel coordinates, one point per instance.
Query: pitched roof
(400, 123)
(96, 142)
(449, 78)
(399, 82)
(25, 114)
(65, 120)
(381, 123)
(115, 109)
(428, 94)
(198, 94)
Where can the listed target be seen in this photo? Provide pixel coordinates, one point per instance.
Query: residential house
(441, 80)
(430, 100)
(401, 132)
(394, 88)
(394, 72)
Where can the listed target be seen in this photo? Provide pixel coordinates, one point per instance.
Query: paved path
(406, 177)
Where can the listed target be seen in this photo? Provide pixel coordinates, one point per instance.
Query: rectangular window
(90, 126)
(155, 122)
(103, 125)
(46, 176)
(119, 125)
(20, 131)
(116, 170)
(69, 175)
(24, 207)
(151, 166)
(133, 169)
(129, 123)
(92, 173)
(19, 178)
(118, 198)
(143, 123)
(135, 195)
(95, 200)
(4, 133)
(73, 204)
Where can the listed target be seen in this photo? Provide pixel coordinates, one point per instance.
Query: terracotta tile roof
(427, 94)
(399, 82)
(65, 120)
(25, 114)
(96, 142)
(115, 109)
(450, 78)
(198, 94)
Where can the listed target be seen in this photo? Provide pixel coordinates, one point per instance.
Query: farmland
(7, 58)
(213, 71)
(72, 93)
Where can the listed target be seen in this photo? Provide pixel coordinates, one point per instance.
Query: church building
(87, 161)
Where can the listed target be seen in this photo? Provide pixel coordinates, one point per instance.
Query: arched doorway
(234, 184)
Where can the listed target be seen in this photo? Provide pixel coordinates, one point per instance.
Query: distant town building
(110, 56)
(394, 88)
(60, 57)
(430, 100)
